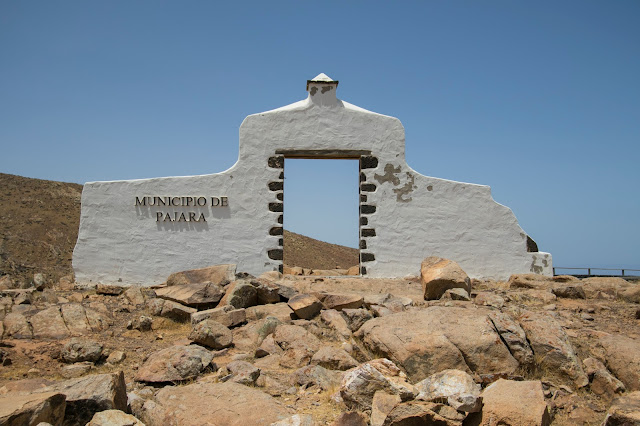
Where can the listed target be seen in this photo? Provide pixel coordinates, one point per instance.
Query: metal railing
(589, 274)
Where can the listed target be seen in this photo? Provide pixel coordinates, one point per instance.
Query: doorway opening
(321, 217)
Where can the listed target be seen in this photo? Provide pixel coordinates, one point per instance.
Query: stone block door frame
(276, 187)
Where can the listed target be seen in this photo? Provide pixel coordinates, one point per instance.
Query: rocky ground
(307, 350)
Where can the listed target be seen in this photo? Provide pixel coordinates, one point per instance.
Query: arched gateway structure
(140, 231)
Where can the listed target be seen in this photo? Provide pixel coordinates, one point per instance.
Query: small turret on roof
(322, 78)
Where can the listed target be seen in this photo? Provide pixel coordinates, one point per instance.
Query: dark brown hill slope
(309, 253)
(39, 222)
(38, 226)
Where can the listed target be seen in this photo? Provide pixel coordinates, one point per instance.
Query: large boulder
(90, 394)
(175, 364)
(602, 382)
(622, 359)
(455, 386)
(240, 294)
(217, 274)
(176, 311)
(229, 404)
(340, 301)
(31, 409)
(48, 324)
(508, 402)
(438, 275)
(197, 295)
(211, 334)
(624, 411)
(333, 359)
(225, 315)
(305, 306)
(298, 344)
(17, 326)
(422, 413)
(79, 350)
(552, 347)
(361, 383)
(437, 338)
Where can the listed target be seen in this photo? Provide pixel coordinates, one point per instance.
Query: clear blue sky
(539, 100)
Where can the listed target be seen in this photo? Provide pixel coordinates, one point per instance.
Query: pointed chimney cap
(322, 78)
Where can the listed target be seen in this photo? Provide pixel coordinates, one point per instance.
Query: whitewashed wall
(415, 216)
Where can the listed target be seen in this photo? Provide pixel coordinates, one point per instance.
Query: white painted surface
(119, 242)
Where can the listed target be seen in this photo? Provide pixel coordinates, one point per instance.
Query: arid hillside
(313, 254)
(39, 226)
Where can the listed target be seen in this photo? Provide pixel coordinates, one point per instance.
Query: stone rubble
(212, 346)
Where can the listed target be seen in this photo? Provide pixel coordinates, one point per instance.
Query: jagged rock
(381, 406)
(48, 324)
(356, 317)
(212, 334)
(243, 372)
(217, 274)
(602, 382)
(512, 403)
(342, 301)
(247, 338)
(90, 394)
(176, 311)
(569, 291)
(552, 347)
(622, 359)
(225, 315)
(486, 298)
(625, 411)
(32, 409)
(317, 375)
(513, 336)
(333, 359)
(79, 350)
(16, 326)
(351, 418)
(134, 295)
(116, 357)
(197, 295)
(75, 318)
(141, 323)
(76, 370)
(456, 294)
(240, 294)
(281, 310)
(175, 364)
(420, 413)
(423, 343)
(437, 275)
(109, 289)
(361, 383)
(456, 386)
(155, 305)
(229, 404)
(335, 320)
(267, 292)
(298, 344)
(114, 418)
(268, 347)
(286, 292)
(305, 306)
